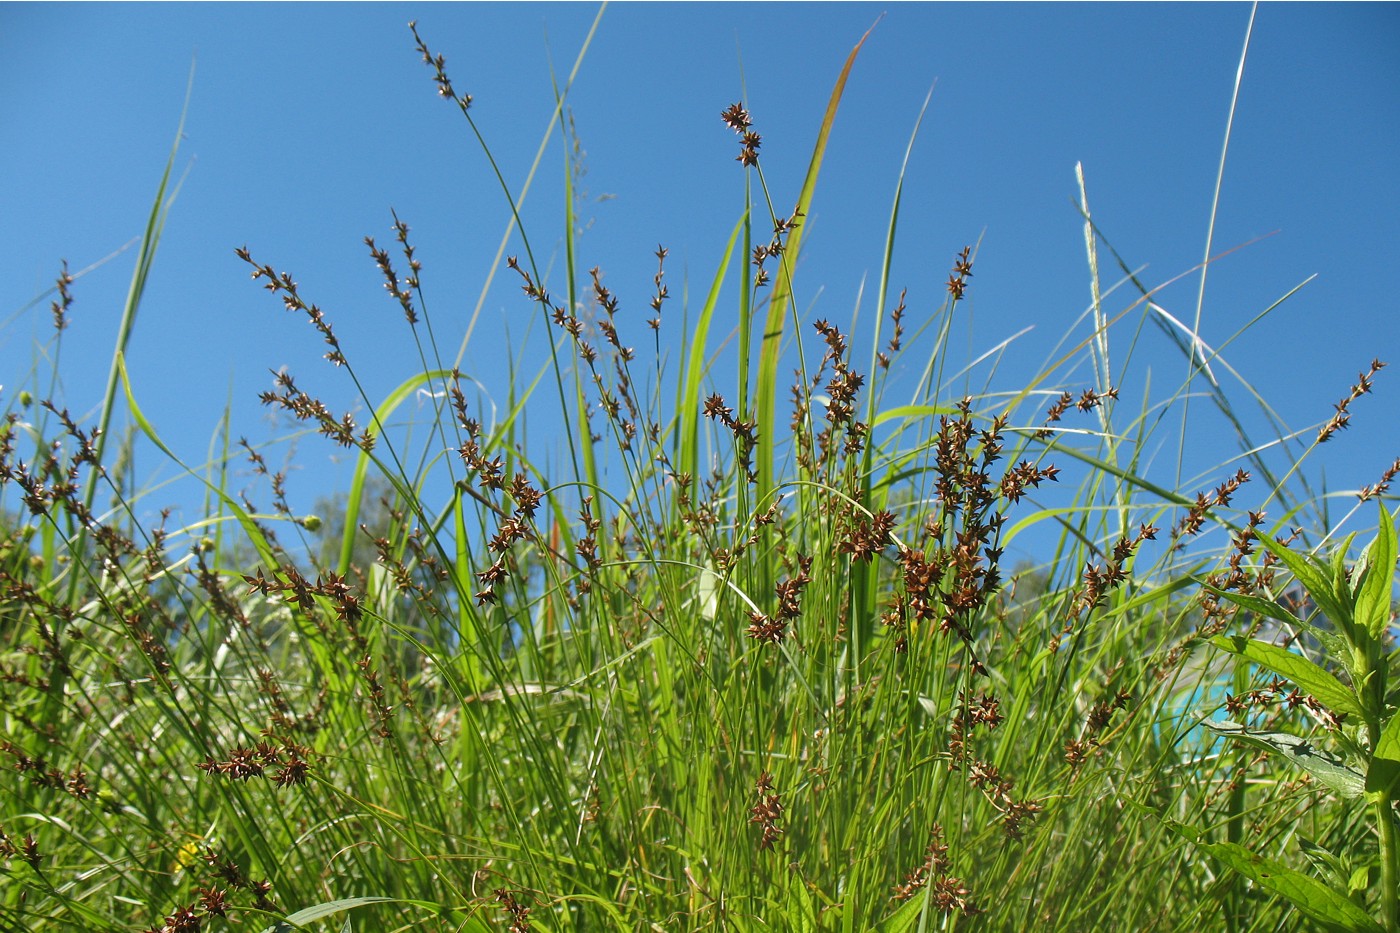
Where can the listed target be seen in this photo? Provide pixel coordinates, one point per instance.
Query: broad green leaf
(1326, 767)
(1258, 605)
(1361, 879)
(1315, 577)
(1328, 865)
(1341, 586)
(1326, 688)
(1374, 587)
(1385, 760)
(907, 916)
(1329, 908)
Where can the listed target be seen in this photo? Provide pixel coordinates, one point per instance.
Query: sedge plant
(719, 664)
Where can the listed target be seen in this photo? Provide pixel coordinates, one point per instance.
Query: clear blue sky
(309, 122)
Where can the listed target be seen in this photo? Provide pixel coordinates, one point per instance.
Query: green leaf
(1333, 869)
(316, 912)
(1324, 687)
(769, 383)
(907, 916)
(1329, 908)
(1331, 642)
(1341, 586)
(1377, 578)
(1361, 879)
(406, 390)
(1385, 760)
(1316, 578)
(688, 405)
(1326, 767)
(255, 534)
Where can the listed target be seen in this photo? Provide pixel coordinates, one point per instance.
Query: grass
(779, 677)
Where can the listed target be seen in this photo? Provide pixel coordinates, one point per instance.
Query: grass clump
(724, 666)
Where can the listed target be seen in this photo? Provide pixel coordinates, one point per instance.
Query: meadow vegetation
(777, 676)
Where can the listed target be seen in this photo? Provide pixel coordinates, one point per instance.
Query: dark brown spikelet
(962, 271)
(438, 64)
(1343, 416)
(402, 290)
(897, 320)
(764, 629)
(1380, 488)
(65, 298)
(767, 812)
(737, 119)
(519, 914)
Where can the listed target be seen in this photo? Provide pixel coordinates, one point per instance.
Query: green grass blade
(331, 908)
(770, 349)
(688, 404)
(148, 429)
(145, 258)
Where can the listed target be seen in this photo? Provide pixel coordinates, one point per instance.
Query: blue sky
(308, 123)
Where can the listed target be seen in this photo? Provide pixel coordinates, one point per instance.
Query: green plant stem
(1390, 879)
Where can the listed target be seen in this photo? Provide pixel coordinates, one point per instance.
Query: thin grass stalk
(1192, 367)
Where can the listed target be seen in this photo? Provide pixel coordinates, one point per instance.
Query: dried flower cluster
(514, 526)
(984, 711)
(402, 291)
(616, 397)
(519, 914)
(882, 359)
(947, 585)
(962, 271)
(1195, 518)
(60, 306)
(26, 849)
(42, 774)
(281, 282)
(288, 759)
(842, 391)
(1087, 401)
(439, 66)
(1100, 580)
(212, 900)
(737, 119)
(289, 398)
(949, 894)
(789, 593)
(1077, 751)
(745, 432)
(767, 811)
(1343, 417)
(298, 592)
(1382, 487)
(1265, 697)
(659, 290)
